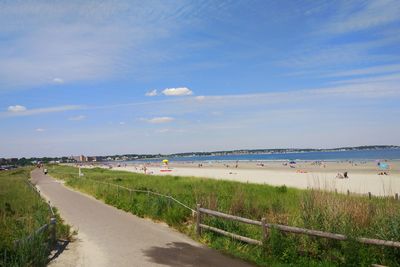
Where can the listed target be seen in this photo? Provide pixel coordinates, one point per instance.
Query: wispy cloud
(158, 120)
(30, 112)
(152, 93)
(382, 79)
(356, 16)
(180, 91)
(40, 130)
(348, 34)
(96, 43)
(375, 70)
(77, 118)
(58, 80)
(356, 89)
(16, 108)
(332, 56)
(164, 130)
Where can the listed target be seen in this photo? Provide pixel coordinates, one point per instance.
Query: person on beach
(341, 176)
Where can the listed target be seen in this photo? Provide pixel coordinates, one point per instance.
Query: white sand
(363, 179)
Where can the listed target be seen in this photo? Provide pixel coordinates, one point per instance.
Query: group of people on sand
(383, 173)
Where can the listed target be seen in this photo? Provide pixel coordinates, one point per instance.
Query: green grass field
(351, 215)
(22, 211)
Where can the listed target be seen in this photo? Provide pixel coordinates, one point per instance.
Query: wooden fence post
(369, 195)
(198, 220)
(348, 192)
(396, 196)
(53, 234)
(264, 230)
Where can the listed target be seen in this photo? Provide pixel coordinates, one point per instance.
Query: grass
(350, 215)
(22, 211)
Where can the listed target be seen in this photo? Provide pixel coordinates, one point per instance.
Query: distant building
(92, 159)
(9, 160)
(80, 158)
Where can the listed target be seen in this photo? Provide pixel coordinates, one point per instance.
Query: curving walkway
(111, 237)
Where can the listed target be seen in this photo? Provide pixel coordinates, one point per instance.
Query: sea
(352, 155)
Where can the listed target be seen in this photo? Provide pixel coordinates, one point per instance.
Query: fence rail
(283, 228)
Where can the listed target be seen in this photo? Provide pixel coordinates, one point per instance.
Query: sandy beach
(362, 175)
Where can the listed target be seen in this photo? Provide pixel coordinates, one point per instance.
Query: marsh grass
(22, 212)
(354, 216)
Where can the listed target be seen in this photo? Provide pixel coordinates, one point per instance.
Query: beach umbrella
(383, 166)
(165, 161)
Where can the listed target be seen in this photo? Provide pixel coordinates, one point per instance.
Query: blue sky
(113, 77)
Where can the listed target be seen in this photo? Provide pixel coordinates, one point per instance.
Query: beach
(362, 175)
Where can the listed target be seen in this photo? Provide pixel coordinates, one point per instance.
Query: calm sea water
(388, 154)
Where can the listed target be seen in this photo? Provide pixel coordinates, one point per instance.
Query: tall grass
(22, 211)
(350, 215)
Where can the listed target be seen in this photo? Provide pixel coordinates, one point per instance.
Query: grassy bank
(350, 215)
(22, 211)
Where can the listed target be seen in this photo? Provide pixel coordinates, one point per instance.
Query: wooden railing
(283, 228)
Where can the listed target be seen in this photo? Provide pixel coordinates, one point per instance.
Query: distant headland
(129, 157)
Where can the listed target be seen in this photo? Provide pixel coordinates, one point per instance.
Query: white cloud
(16, 108)
(77, 118)
(40, 130)
(152, 93)
(157, 120)
(22, 111)
(121, 123)
(200, 97)
(179, 91)
(58, 80)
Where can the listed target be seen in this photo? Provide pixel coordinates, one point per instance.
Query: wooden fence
(283, 228)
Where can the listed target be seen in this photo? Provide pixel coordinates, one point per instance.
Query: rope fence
(149, 192)
(52, 224)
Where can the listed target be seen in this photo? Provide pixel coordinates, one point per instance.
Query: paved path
(111, 237)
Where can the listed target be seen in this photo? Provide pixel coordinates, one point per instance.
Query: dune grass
(22, 211)
(354, 216)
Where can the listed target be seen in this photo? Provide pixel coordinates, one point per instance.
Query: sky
(118, 77)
